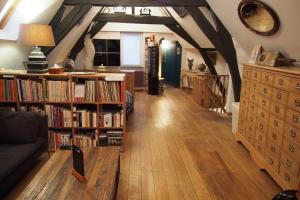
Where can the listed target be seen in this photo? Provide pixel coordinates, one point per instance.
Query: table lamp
(36, 35)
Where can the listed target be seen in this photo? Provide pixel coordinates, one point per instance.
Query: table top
(55, 181)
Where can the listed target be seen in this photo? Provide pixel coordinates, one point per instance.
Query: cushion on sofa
(18, 127)
(12, 156)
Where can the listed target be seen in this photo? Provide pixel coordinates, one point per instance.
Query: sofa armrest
(43, 132)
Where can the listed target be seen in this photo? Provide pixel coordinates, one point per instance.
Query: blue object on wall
(171, 64)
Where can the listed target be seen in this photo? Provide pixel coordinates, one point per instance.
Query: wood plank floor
(176, 150)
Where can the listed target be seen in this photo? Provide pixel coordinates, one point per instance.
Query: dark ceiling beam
(140, 3)
(222, 41)
(68, 23)
(55, 21)
(123, 18)
(80, 43)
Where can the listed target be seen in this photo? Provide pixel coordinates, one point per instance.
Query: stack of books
(57, 91)
(84, 118)
(84, 92)
(58, 117)
(30, 90)
(115, 137)
(111, 119)
(58, 139)
(85, 140)
(7, 90)
(110, 91)
(37, 109)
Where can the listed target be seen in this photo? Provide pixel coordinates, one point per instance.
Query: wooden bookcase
(98, 105)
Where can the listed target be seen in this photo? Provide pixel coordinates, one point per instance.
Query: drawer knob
(278, 96)
(265, 90)
(291, 148)
(297, 103)
(276, 109)
(280, 82)
(288, 163)
(260, 138)
(263, 102)
(295, 118)
(275, 123)
(287, 177)
(274, 136)
(293, 134)
(261, 126)
(273, 149)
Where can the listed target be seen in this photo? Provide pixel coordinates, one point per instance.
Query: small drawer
(246, 83)
(260, 137)
(245, 92)
(247, 72)
(277, 109)
(250, 137)
(273, 148)
(244, 103)
(264, 103)
(254, 87)
(265, 90)
(290, 164)
(260, 147)
(281, 82)
(256, 75)
(276, 123)
(250, 129)
(292, 133)
(253, 97)
(267, 78)
(291, 180)
(272, 161)
(294, 101)
(241, 127)
(252, 108)
(291, 148)
(294, 85)
(293, 118)
(280, 96)
(262, 126)
(251, 118)
(275, 136)
(263, 115)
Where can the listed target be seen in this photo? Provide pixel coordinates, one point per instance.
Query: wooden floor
(176, 150)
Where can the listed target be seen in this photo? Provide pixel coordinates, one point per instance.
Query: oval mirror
(258, 17)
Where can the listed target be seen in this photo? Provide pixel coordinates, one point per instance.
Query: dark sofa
(23, 138)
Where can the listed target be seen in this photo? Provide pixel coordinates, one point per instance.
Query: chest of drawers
(269, 121)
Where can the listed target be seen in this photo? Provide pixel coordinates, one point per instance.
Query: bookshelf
(81, 109)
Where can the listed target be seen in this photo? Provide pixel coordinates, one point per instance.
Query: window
(131, 49)
(107, 52)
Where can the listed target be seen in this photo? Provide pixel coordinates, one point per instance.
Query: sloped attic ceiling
(285, 40)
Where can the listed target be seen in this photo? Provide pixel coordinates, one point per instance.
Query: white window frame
(123, 49)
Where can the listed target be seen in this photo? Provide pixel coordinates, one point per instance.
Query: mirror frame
(268, 9)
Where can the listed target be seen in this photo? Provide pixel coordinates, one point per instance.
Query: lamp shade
(36, 35)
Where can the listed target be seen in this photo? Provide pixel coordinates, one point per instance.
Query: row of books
(7, 90)
(85, 140)
(36, 109)
(59, 117)
(84, 118)
(110, 91)
(111, 119)
(8, 108)
(58, 139)
(57, 91)
(84, 92)
(30, 90)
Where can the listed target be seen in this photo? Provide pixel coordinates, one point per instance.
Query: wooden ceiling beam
(123, 18)
(140, 3)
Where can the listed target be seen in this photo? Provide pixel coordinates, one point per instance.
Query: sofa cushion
(12, 156)
(19, 127)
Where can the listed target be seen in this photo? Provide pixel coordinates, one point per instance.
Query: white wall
(13, 54)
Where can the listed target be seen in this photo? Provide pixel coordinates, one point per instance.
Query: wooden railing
(210, 91)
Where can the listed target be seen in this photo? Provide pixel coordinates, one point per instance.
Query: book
(58, 117)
